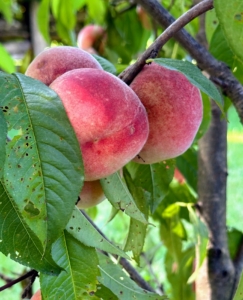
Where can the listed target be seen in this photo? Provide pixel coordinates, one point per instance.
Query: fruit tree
(113, 149)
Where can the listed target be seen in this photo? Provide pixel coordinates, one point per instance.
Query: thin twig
(130, 73)
(21, 278)
(126, 265)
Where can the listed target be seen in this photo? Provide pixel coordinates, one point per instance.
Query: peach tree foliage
(41, 171)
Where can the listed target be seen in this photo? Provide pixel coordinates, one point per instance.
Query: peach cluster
(154, 119)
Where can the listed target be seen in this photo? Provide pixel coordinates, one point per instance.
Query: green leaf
(194, 75)
(230, 17)
(137, 230)
(239, 292)
(206, 117)
(80, 228)
(105, 64)
(96, 10)
(211, 24)
(3, 139)
(118, 194)
(234, 241)
(154, 178)
(104, 293)
(78, 278)
(43, 170)
(120, 284)
(18, 241)
(187, 164)
(6, 10)
(43, 17)
(66, 14)
(6, 61)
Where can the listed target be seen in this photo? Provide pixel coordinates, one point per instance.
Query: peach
(91, 194)
(174, 108)
(91, 38)
(108, 118)
(37, 296)
(53, 62)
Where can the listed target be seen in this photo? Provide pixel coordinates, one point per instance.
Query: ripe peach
(53, 62)
(91, 38)
(174, 108)
(91, 194)
(110, 121)
(37, 296)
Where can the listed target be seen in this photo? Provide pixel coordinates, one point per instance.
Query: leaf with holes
(80, 228)
(43, 170)
(19, 241)
(118, 194)
(79, 276)
(120, 284)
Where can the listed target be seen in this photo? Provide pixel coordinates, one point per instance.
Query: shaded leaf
(43, 170)
(118, 194)
(119, 283)
(78, 278)
(230, 17)
(194, 75)
(80, 228)
(235, 239)
(18, 241)
(154, 178)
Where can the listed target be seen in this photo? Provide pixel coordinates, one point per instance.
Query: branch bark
(216, 69)
(130, 73)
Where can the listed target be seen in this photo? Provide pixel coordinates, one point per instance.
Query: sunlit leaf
(194, 75)
(6, 61)
(43, 170)
(80, 227)
(118, 194)
(43, 18)
(79, 276)
(120, 284)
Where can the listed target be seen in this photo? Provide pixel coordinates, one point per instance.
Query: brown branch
(217, 70)
(135, 276)
(31, 273)
(130, 73)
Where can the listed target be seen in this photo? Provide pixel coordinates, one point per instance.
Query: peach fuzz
(174, 108)
(53, 62)
(109, 120)
(91, 194)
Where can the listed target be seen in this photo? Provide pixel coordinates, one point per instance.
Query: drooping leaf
(230, 18)
(118, 194)
(96, 9)
(3, 139)
(43, 18)
(194, 75)
(154, 178)
(6, 61)
(105, 64)
(18, 241)
(80, 228)
(79, 276)
(137, 230)
(6, 10)
(235, 238)
(120, 284)
(66, 14)
(43, 170)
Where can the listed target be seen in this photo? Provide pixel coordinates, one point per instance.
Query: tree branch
(31, 273)
(126, 265)
(130, 73)
(217, 70)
